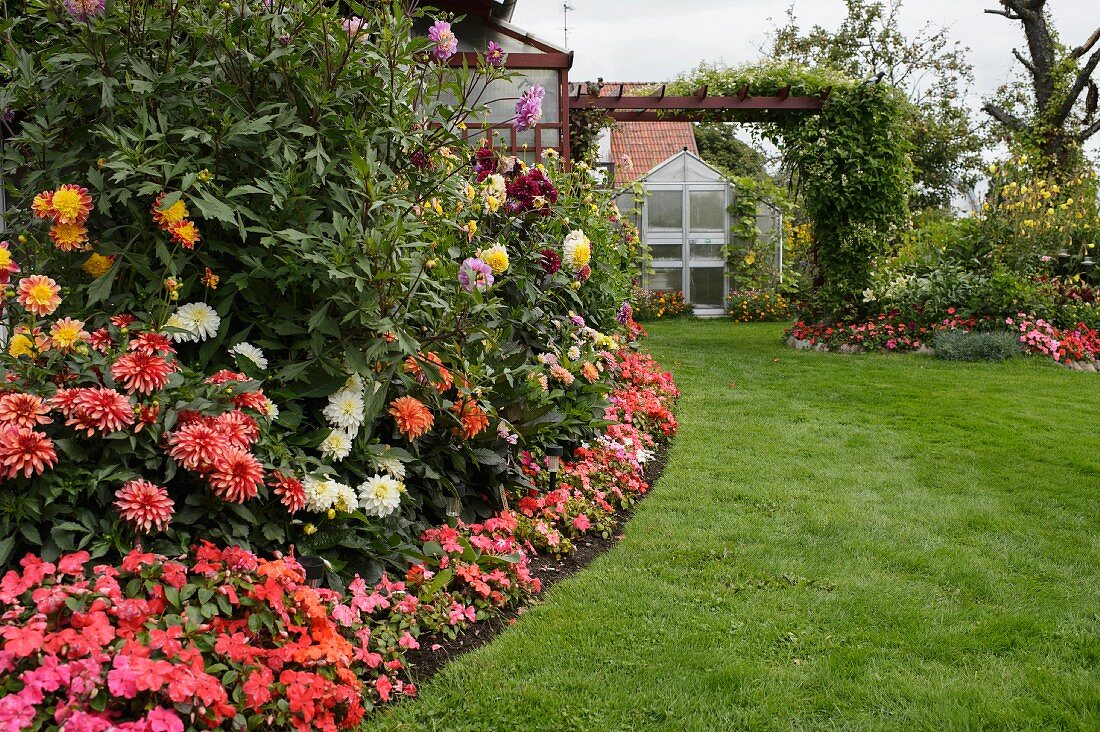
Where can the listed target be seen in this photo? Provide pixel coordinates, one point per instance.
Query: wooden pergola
(658, 106)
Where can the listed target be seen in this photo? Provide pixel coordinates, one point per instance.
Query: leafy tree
(932, 72)
(1055, 108)
(719, 147)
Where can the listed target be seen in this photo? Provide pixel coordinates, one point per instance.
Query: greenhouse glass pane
(708, 210)
(708, 285)
(666, 279)
(706, 248)
(666, 210)
(666, 251)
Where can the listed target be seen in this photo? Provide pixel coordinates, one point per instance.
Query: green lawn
(839, 542)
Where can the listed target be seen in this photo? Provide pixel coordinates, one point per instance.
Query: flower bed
(658, 304)
(758, 305)
(1078, 346)
(223, 637)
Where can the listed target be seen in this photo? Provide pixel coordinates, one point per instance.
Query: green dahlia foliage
(336, 223)
(851, 163)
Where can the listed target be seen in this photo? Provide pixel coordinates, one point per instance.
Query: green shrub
(958, 345)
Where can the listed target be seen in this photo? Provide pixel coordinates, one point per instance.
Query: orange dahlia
(144, 505)
(186, 234)
(8, 267)
(23, 410)
(237, 476)
(70, 205)
(412, 417)
(140, 372)
(472, 416)
(39, 294)
(69, 237)
(413, 367)
(590, 371)
(25, 451)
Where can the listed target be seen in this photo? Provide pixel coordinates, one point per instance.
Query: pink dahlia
(23, 410)
(144, 505)
(239, 429)
(446, 42)
(151, 343)
(237, 476)
(138, 371)
(290, 491)
(529, 108)
(25, 451)
(85, 10)
(495, 55)
(196, 445)
(91, 410)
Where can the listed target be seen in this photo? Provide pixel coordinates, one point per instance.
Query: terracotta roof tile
(638, 147)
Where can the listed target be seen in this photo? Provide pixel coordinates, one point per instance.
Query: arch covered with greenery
(851, 163)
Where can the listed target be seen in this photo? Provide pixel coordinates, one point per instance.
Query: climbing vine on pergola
(843, 138)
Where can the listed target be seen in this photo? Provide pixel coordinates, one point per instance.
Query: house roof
(638, 147)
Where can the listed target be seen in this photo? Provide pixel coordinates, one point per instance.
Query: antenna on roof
(565, 8)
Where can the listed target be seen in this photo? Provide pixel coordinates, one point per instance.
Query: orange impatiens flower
(185, 233)
(69, 237)
(39, 294)
(473, 418)
(412, 417)
(70, 205)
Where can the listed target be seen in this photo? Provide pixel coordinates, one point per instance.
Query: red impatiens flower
(196, 445)
(237, 476)
(25, 451)
(144, 505)
(138, 371)
(290, 490)
(23, 410)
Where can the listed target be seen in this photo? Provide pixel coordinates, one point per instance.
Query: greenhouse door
(707, 225)
(686, 229)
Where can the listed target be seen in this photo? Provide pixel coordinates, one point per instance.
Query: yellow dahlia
(97, 265)
(70, 205)
(42, 205)
(166, 218)
(496, 257)
(20, 345)
(39, 294)
(185, 233)
(67, 333)
(69, 237)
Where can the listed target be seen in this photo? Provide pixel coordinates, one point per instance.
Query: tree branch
(1004, 117)
(1084, 47)
(1027, 64)
(1005, 13)
(1079, 84)
(1089, 131)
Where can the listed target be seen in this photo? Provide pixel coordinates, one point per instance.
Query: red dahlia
(196, 445)
(237, 476)
(138, 371)
(25, 451)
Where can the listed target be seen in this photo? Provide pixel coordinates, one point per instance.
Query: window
(708, 210)
(666, 210)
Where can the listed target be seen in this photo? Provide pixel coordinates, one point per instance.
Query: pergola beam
(780, 102)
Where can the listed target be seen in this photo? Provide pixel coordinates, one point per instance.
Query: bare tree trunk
(1057, 133)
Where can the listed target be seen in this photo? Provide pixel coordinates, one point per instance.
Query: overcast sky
(653, 40)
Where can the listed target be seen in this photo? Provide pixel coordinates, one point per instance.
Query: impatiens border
(1077, 348)
(224, 637)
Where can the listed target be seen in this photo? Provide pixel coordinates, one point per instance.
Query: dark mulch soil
(425, 663)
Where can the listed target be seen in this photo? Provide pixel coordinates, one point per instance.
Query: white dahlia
(380, 496)
(337, 445)
(244, 349)
(345, 410)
